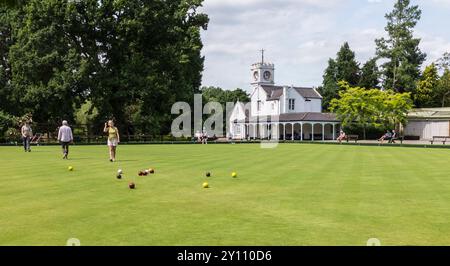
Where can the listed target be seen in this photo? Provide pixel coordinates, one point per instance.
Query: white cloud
(299, 36)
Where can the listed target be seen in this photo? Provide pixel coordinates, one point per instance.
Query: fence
(87, 134)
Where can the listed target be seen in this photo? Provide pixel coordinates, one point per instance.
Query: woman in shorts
(113, 139)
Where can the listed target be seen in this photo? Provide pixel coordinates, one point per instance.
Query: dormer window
(291, 104)
(259, 105)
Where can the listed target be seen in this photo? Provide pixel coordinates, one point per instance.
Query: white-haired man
(65, 137)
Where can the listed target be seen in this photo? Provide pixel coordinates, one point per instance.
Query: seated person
(198, 136)
(342, 136)
(394, 136)
(387, 136)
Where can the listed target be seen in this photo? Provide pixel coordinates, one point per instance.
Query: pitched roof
(430, 113)
(297, 117)
(275, 92)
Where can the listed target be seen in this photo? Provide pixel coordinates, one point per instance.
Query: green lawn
(296, 194)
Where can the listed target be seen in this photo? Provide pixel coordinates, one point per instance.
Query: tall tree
(120, 55)
(427, 87)
(347, 68)
(444, 62)
(343, 68)
(369, 76)
(400, 49)
(443, 95)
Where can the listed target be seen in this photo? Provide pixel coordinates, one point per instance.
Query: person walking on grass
(113, 139)
(65, 137)
(27, 133)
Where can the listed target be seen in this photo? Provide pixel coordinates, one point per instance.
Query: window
(291, 104)
(259, 106)
(273, 106)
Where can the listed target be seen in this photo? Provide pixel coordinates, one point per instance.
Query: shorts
(112, 142)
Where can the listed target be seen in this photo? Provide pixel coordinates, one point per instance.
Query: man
(65, 137)
(27, 133)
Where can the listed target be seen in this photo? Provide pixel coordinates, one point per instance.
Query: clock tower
(263, 73)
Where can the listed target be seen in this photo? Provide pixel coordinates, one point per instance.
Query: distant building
(426, 123)
(281, 112)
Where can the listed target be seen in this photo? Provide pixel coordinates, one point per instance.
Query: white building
(281, 112)
(426, 123)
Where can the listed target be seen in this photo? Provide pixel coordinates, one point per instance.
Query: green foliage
(370, 108)
(369, 76)
(444, 61)
(6, 121)
(120, 55)
(343, 68)
(400, 49)
(86, 114)
(427, 85)
(443, 91)
(216, 94)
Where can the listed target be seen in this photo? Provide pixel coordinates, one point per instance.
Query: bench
(444, 139)
(393, 140)
(352, 137)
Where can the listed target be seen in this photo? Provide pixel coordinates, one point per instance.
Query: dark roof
(308, 93)
(321, 117)
(275, 92)
(276, 95)
(299, 117)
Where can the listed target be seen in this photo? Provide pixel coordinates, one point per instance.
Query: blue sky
(300, 35)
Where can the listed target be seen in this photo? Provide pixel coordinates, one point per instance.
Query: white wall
(237, 114)
(427, 129)
(301, 105)
(266, 106)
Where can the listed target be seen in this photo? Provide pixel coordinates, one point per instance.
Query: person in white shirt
(27, 133)
(65, 137)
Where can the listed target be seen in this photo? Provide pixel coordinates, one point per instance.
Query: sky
(299, 36)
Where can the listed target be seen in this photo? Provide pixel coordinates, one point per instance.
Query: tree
(443, 95)
(121, 55)
(370, 108)
(427, 87)
(369, 76)
(395, 108)
(44, 64)
(400, 49)
(343, 68)
(329, 89)
(444, 62)
(216, 94)
(443, 88)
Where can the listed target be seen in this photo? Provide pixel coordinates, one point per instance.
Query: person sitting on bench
(394, 137)
(342, 136)
(387, 136)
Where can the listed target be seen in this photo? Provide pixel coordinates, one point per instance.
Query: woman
(342, 136)
(386, 136)
(113, 139)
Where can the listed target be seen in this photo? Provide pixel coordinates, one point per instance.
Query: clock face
(255, 75)
(267, 75)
